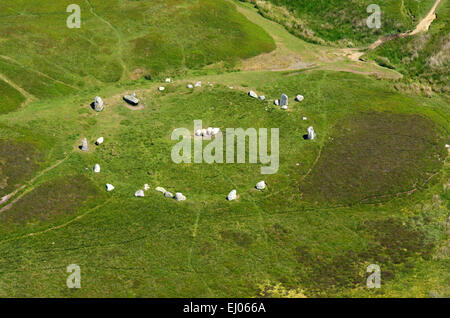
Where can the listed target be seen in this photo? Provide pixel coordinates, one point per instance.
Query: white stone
(146, 187)
(160, 189)
(98, 104)
(179, 196)
(232, 195)
(167, 194)
(262, 97)
(311, 133)
(260, 185)
(209, 131)
(277, 102)
(97, 168)
(84, 145)
(447, 146)
(198, 84)
(168, 80)
(252, 94)
(284, 107)
(139, 194)
(190, 86)
(99, 141)
(215, 131)
(109, 187)
(304, 118)
(161, 88)
(299, 98)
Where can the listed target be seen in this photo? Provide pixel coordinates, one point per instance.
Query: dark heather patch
(374, 157)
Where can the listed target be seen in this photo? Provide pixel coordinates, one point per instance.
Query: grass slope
(423, 57)
(207, 246)
(121, 40)
(343, 21)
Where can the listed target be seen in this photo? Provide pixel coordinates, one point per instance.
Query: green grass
(422, 57)
(206, 246)
(318, 241)
(119, 40)
(11, 98)
(344, 22)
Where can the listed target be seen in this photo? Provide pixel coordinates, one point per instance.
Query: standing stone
(98, 104)
(168, 80)
(179, 196)
(299, 98)
(304, 118)
(139, 194)
(276, 102)
(252, 94)
(84, 145)
(97, 168)
(109, 187)
(190, 86)
(260, 185)
(284, 100)
(311, 133)
(232, 195)
(146, 187)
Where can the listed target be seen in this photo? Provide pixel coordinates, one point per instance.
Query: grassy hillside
(119, 40)
(425, 56)
(207, 246)
(372, 188)
(343, 22)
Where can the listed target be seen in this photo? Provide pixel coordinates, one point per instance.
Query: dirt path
(423, 26)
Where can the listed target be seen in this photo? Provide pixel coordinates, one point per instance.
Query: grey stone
(311, 133)
(232, 195)
(260, 185)
(299, 98)
(98, 104)
(139, 194)
(284, 100)
(131, 99)
(84, 145)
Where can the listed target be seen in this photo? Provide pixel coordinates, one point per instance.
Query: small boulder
(198, 84)
(146, 187)
(167, 194)
(109, 187)
(299, 98)
(284, 107)
(161, 88)
(139, 194)
(252, 94)
(97, 168)
(276, 102)
(179, 196)
(262, 97)
(260, 185)
(304, 118)
(168, 80)
(232, 195)
(160, 189)
(190, 86)
(99, 141)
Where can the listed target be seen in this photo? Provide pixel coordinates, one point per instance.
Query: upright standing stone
(84, 145)
(98, 104)
(97, 168)
(311, 133)
(283, 100)
(260, 185)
